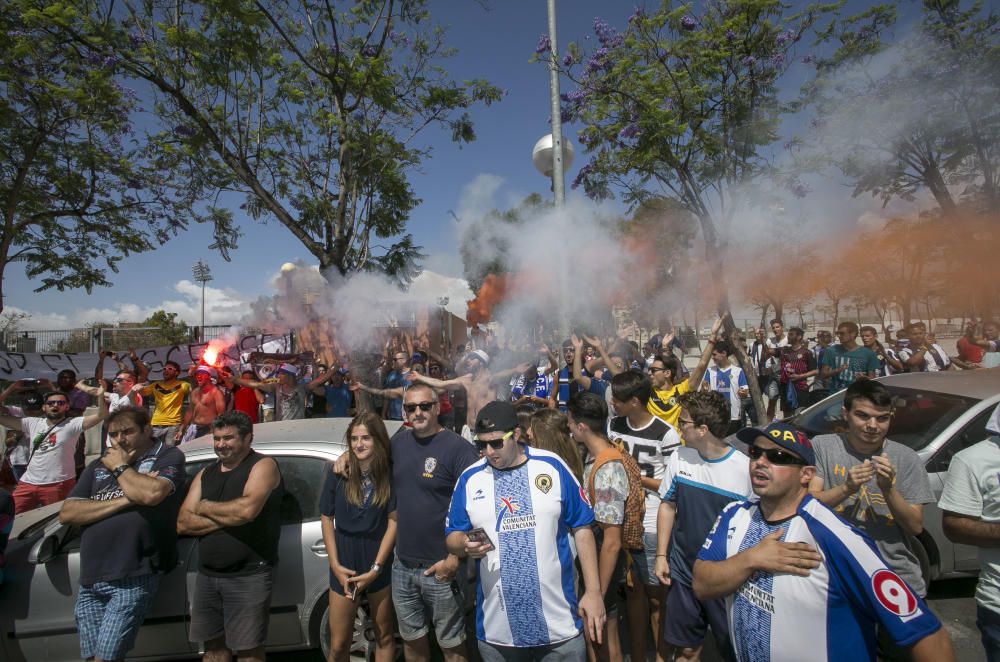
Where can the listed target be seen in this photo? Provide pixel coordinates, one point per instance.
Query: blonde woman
(358, 514)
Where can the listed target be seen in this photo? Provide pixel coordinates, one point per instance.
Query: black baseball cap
(496, 416)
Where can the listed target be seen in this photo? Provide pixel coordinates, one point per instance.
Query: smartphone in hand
(478, 535)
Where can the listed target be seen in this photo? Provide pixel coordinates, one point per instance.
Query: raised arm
(102, 409)
(605, 357)
(578, 376)
(698, 374)
(141, 369)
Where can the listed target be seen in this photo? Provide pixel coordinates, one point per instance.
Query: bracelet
(119, 470)
(376, 568)
(659, 555)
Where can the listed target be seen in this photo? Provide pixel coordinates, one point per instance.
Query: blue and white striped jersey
(525, 594)
(829, 614)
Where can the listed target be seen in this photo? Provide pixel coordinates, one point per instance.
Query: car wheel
(362, 641)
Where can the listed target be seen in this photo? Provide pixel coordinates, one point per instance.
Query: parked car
(937, 414)
(43, 564)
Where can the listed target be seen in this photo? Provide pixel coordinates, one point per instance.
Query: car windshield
(919, 416)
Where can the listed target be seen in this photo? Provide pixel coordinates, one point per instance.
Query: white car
(43, 564)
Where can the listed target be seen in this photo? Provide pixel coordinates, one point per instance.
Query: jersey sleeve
(327, 496)
(668, 490)
(742, 381)
(458, 515)
(714, 548)
(962, 493)
(170, 466)
(576, 511)
(878, 593)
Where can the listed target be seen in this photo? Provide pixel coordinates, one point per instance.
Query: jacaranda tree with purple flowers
(76, 193)
(683, 102)
(307, 112)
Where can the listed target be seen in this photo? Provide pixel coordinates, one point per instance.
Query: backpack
(635, 501)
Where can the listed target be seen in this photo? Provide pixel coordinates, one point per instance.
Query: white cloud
(222, 306)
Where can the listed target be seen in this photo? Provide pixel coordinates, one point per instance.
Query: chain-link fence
(118, 338)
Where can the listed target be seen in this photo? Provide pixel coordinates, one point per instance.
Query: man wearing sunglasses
(51, 472)
(799, 582)
(514, 512)
(428, 582)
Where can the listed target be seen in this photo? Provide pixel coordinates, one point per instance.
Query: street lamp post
(558, 183)
(202, 274)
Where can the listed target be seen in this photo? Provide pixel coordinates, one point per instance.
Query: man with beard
(234, 508)
(127, 503)
(799, 583)
(51, 472)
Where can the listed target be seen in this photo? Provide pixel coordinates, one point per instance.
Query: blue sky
(495, 43)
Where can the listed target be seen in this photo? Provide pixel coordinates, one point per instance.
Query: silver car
(937, 414)
(43, 564)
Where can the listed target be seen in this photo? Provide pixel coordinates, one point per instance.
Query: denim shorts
(235, 607)
(109, 615)
(422, 600)
(644, 562)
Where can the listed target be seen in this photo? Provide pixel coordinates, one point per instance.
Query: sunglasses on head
(412, 407)
(775, 455)
(495, 444)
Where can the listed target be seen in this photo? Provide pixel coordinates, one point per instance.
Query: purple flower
(581, 177)
(778, 59)
(786, 37)
(183, 131)
(749, 60)
(369, 51)
(137, 39)
(689, 22)
(544, 45)
(568, 60)
(730, 36)
(630, 131)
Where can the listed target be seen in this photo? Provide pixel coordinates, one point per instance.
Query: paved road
(951, 600)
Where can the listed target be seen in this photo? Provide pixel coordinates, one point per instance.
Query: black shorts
(686, 620)
(234, 607)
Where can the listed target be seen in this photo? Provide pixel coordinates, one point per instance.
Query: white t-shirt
(53, 460)
(19, 454)
(972, 488)
(116, 402)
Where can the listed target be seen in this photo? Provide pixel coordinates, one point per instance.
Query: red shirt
(245, 400)
(970, 351)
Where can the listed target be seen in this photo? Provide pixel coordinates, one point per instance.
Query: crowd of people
(608, 477)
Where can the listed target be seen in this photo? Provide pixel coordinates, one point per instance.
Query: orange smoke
(211, 354)
(492, 292)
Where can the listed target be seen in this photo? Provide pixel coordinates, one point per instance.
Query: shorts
(687, 619)
(166, 433)
(109, 615)
(422, 600)
(571, 650)
(643, 563)
(612, 595)
(236, 607)
(28, 496)
(383, 580)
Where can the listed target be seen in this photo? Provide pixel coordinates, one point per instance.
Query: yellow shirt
(663, 404)
(169, 400)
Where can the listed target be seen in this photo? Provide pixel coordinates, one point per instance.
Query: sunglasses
(775, 456)
(495, 444)
(121, 379)
(652, 370)
(56, 403)
(424, 406)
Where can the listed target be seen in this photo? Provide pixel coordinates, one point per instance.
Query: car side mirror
(45, 550)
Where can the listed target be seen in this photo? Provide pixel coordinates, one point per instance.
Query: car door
(48, 629)
(954, 557)
(302, 576)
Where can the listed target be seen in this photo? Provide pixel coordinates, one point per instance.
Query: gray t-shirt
(290, 403)
(866, 509)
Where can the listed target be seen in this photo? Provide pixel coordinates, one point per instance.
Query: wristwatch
(376, 568)
(119, 470)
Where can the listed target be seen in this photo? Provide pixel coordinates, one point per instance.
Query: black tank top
(245, 549)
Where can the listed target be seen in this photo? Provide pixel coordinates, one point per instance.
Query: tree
(310, 112)
(170, 330)
(76, 193)
(915, 115)
(685, 105)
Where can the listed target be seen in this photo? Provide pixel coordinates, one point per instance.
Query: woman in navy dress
(359, 530)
